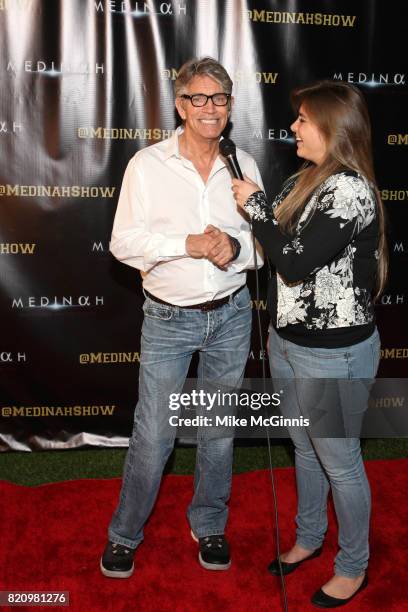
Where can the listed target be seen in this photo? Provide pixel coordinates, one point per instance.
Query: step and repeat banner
(87, 83)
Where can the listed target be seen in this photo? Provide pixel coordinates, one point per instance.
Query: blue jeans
(335, 462)
(170, 336)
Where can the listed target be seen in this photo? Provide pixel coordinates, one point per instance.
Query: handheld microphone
(228, 150)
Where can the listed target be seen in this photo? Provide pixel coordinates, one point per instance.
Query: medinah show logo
(394, 353)
(241, 76)
(141, 9)
(280, 134)
(57, 303)
(371, 79)
(390, 299)
(396, 195)
(314, 19)
(53, 69)
(10, 128)
(17, 248)
(399, 247)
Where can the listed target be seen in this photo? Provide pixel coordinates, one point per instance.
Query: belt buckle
(214, 304)
(206, 307)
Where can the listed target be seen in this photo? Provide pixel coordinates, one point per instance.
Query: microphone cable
(228, 150)
(271, 472)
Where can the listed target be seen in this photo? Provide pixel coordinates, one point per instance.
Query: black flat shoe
(322, 600)
(288, 568)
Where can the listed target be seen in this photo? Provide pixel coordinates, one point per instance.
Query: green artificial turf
(36, 468)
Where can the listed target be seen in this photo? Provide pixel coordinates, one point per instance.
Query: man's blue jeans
(170, 336)
(330, 462)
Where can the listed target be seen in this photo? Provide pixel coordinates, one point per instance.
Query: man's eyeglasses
(218, 99)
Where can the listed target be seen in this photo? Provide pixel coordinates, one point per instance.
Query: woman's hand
(243, 189)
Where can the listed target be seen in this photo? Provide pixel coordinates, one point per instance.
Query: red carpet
(51, 539)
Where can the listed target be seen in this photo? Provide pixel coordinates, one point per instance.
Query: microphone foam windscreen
(227, 147)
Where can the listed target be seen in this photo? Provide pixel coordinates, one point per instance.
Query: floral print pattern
(329, 296)
(255, 207)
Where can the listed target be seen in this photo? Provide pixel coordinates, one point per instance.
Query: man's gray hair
(205, 66)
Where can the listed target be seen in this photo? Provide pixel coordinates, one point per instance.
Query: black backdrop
(84, 85)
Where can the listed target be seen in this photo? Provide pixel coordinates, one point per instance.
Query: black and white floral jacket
(326, 270)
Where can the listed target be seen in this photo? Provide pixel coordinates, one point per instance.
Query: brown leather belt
(204, 306)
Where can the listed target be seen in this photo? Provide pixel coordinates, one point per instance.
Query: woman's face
(311, 144)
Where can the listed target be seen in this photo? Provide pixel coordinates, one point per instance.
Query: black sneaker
(117, 561)
(214, 553)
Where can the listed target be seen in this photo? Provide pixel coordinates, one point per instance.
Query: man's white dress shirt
(163, 199)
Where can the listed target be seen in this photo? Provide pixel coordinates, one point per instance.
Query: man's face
(204, 122)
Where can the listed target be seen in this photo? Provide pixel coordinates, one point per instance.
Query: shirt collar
(172, 149)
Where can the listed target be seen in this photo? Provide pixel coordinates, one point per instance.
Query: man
(177, 222)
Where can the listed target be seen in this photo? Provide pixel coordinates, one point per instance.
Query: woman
(324, 233)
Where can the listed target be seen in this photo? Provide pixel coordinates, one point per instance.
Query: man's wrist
(236, 247)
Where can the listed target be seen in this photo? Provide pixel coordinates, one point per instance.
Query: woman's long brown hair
(340, 113)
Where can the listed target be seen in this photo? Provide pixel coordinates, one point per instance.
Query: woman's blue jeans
(170, 337)
(329, 462)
